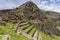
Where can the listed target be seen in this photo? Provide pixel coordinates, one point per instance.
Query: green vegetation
(0, 37)
(44, 23)
(8, 29)
(46, 37)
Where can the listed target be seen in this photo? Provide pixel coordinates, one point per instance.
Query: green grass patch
(8, 29)
(26, 30)
(31, 32)
(0, 37)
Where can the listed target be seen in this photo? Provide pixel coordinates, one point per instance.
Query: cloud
(9, 4)
(53, 6)
(5, 4)
(50, 8)
(48, 5)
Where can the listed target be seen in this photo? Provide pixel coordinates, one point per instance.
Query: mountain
(33, 15)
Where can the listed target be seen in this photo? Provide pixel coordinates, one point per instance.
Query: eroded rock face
(30, 12)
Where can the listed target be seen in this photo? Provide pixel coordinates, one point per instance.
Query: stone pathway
(35, 36)
(40, 37)
(29, 36)
(6, 37)
(24, 33)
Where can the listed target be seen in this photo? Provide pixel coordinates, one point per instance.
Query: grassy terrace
(46, 37)
(0, 37)
(9, 29)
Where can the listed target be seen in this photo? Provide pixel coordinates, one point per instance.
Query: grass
(8, 29)
(46, 37)
(23, 26)
(0, 37)
(28, 28)
(18, 37)
(31, 32)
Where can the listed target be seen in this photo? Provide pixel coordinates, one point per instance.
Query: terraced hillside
(27, 22)
(24, 32)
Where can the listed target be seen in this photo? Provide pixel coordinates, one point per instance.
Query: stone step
(34, 33)
(23, 27)
(35, 36)
(40, 37)
(22, 24)
(24, 33)
(26, 27)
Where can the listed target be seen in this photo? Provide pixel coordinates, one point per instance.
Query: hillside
(28, 19)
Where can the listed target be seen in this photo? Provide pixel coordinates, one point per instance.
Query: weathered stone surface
(6, 37)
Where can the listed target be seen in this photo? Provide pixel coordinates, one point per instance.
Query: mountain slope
(33, 15)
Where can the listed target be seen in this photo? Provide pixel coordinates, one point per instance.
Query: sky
(48, 5)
